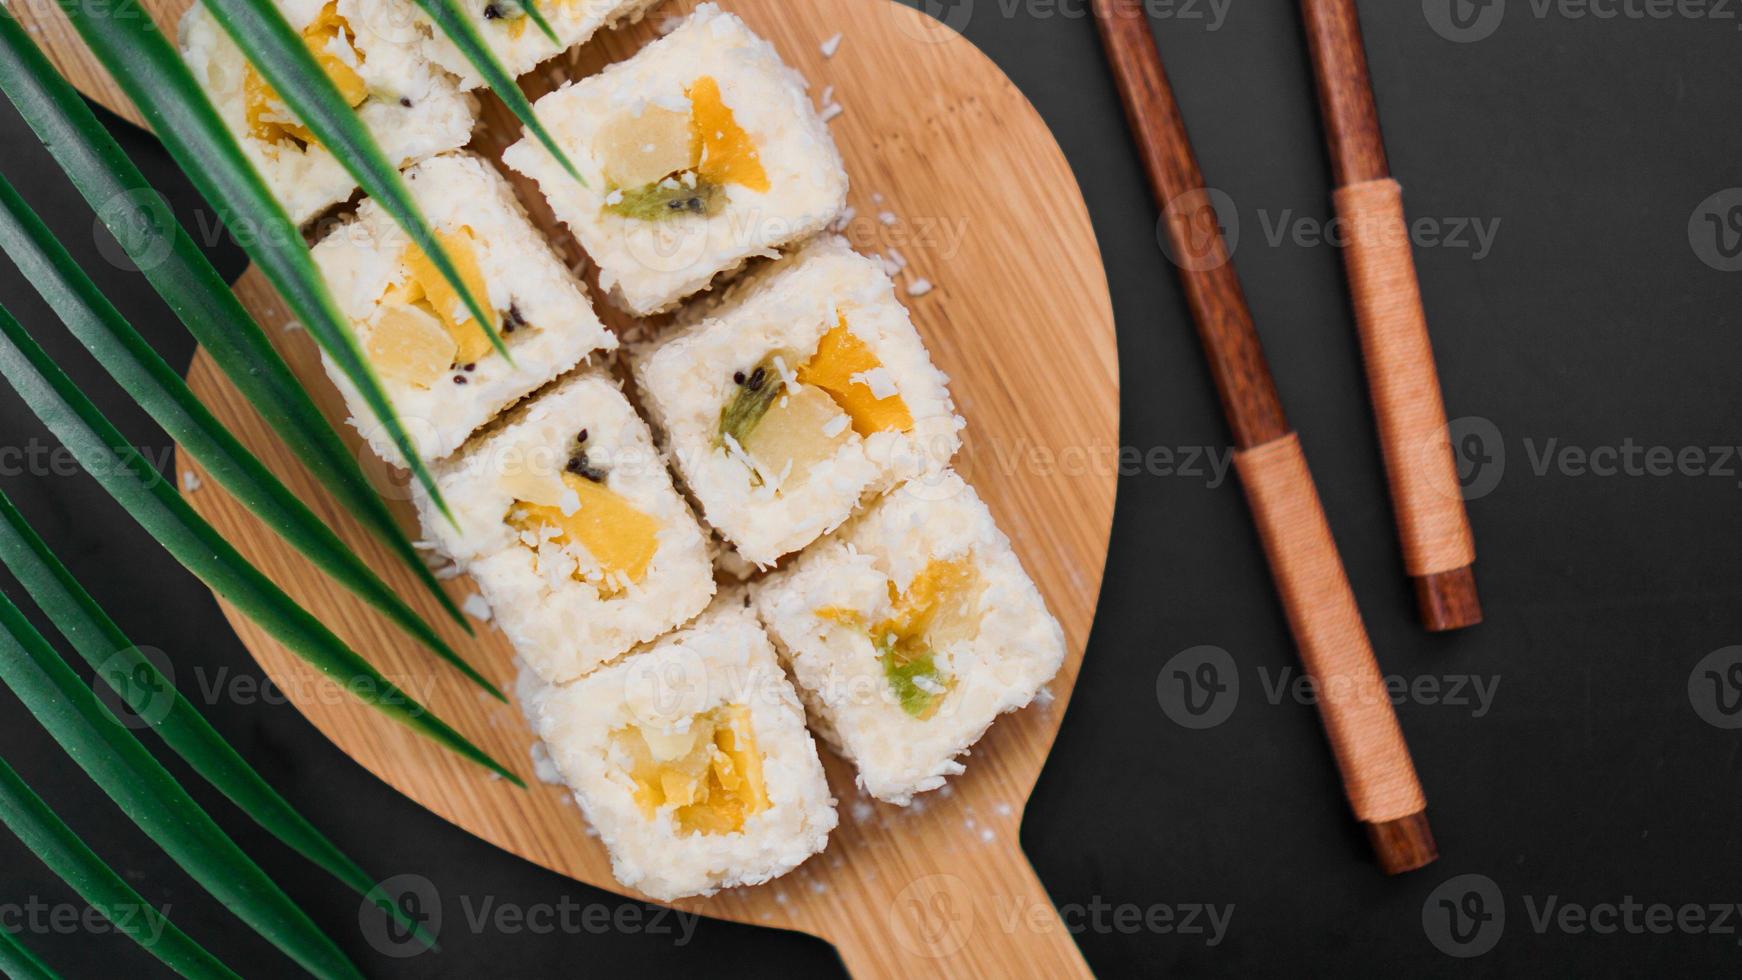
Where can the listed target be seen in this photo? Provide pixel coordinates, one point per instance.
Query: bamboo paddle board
(952, 168)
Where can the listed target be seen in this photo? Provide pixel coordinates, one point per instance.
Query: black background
(1592, 321)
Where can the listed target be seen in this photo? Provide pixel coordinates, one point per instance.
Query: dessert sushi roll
(372, 52)
(517, 41)
(698, 153)
(908, 631)
(801, 391)
(690, 758)
(435, 361)
(566, 518)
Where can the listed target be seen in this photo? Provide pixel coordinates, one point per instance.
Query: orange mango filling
(268, 118)
(621, 538)
(722, 152)
(939, 607)
(430, 289)
(711, 774)
(839, 358)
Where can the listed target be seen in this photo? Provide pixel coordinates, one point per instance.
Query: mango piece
(409, 345)
(940, 606)
(801, 429)
(716, 782)
(722, 152)
(839, 367)
(268, 118)
(638, 150)
(621, 539)
(472, 342)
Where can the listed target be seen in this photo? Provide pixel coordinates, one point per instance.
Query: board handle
(992, 920)
(1378, 774)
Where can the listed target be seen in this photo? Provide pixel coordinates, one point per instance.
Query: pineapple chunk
(268, 119)
(723, 153)
(711, 774)
(409, 345)
(638, 150)
(839, 367)
(802, 428)
(621, 539)
(472, 342)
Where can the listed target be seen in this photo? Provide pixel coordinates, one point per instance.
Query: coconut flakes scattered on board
(832, 45)
(919, 287)
(190, 481)
(477, 608)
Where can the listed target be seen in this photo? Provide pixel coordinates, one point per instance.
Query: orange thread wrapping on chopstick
(1377, 771)
(1431, 521)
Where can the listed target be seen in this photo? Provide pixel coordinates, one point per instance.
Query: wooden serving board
(986, 208)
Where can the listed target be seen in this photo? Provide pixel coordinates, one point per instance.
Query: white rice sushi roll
(699, 153)
(569, 524)
(516, 41)
(437, 365)
(690, 758)
(802, 391)
(908, 632)
(372, 52)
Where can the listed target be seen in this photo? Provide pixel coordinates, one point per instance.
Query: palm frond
(20, 963)
(155, 700)
(106, 454)
(532, 11)
(120, 195)
(157, 388)
(55, 844)
(143, 64)
(453, 21)
(150, 796)
(284, 60)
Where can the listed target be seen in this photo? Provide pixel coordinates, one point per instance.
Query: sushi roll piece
(516, 41)
(908, 632)
(569, 524)
(802, 391)
(690, 758)
(436, 363)
(698, 153)
(372, 52)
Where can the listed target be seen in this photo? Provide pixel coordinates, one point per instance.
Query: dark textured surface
(1586, 777)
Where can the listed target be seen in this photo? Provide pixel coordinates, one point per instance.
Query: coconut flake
(879, 380)
(888, 218)
(919, 287)
(832, 110)
(476, 607)
(190, 481)
(832, 45)
(834, 426)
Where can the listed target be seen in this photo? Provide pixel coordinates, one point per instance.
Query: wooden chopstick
(1377, 771)
(1432, 525)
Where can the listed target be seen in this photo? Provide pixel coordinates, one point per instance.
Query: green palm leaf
(20, 963)
(532, 11)
(161, 87)
(162, 393)
(279, 54)
(105, 453)
(150, 796)
(154, 699)
(457, 25)
(180, 273)
(55, 844)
